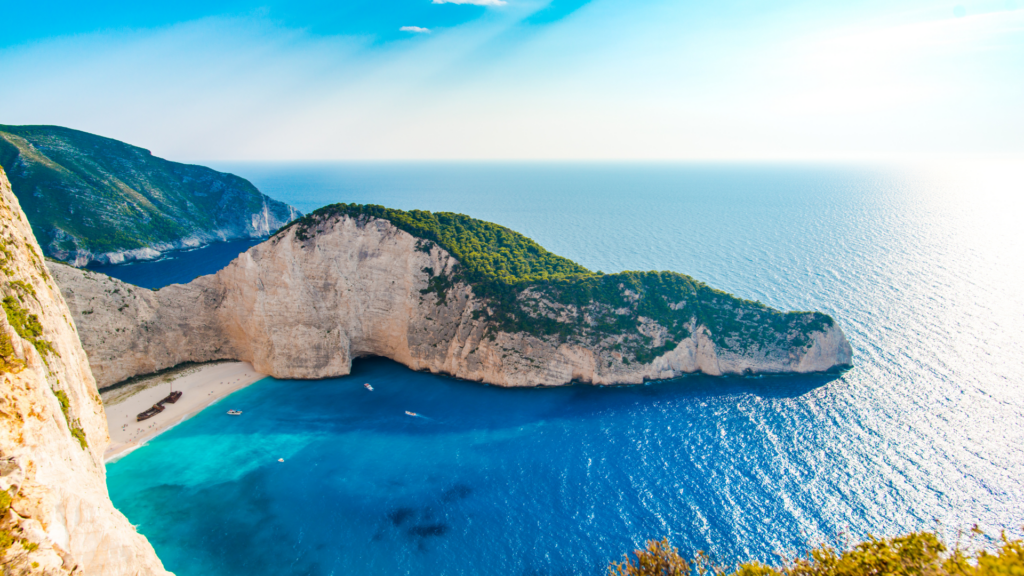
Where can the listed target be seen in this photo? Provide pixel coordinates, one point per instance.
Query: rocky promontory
(439, 292)
(95, 199)
(55, 514)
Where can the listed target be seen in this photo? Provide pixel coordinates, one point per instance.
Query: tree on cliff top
(501, 265)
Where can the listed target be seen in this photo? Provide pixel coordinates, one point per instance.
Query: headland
(444, 293)
(96, 199)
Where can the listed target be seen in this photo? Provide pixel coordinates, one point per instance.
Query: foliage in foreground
(915, 554)
(534, 291)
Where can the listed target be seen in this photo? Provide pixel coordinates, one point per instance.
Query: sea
(921, 265)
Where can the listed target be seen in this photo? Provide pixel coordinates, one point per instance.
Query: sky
(523, 79)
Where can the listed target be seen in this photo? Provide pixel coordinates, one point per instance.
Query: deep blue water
(178, 267)
(921, 267)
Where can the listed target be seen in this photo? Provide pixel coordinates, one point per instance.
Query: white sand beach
(200, 386)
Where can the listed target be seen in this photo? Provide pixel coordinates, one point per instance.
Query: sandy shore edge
(200, 387)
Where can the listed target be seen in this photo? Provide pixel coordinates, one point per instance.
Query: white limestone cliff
(300, 307)
(60, 516)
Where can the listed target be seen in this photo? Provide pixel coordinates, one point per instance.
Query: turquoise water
(921, 267)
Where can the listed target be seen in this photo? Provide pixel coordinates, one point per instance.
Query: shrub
(914, 554)
(8, 361)
(658, 559)
(73, 423)
(27, 326)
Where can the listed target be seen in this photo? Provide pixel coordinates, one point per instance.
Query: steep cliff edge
(56, 515)
(350, 281)
(91, 198)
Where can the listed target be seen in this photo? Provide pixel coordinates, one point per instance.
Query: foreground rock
(58, 518)
(309, 300)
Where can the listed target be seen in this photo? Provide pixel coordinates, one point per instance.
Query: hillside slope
(55, 514)
(91, 198)
(439, 292)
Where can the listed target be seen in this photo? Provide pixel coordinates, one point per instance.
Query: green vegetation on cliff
(85, 194)
(915, 554)
(27, 326)
(532, 290)
(73, 424)
(487, 251)
(9, 361)
(11, 533)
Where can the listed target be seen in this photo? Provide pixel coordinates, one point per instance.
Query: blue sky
(523, 79)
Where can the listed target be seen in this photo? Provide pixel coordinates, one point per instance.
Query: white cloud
(415, 29)
(474, 2)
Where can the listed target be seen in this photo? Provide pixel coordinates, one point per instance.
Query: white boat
(234, 412)
(411, 413)
(368, 387)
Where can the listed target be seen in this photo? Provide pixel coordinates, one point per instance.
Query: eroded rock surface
(303, 306)
(53, 431)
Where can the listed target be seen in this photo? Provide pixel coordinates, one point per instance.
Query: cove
(484, 480)
(924, 433)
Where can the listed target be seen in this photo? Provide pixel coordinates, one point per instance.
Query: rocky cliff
(91, 198)
(345, 283)
(56, 515)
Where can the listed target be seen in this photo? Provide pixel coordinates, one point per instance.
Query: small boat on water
(234, 412)
(368, 387)
(411, 413)
(171, 398)
(156, 409)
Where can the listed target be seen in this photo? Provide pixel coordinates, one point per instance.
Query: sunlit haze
(524, 79)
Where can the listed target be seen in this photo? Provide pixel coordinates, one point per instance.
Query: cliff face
(56, 512)
(304, 305)
(91, 198)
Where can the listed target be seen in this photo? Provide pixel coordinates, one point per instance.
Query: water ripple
(921, 268)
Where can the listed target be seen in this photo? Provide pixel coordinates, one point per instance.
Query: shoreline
(201, 387)
(153, 253)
